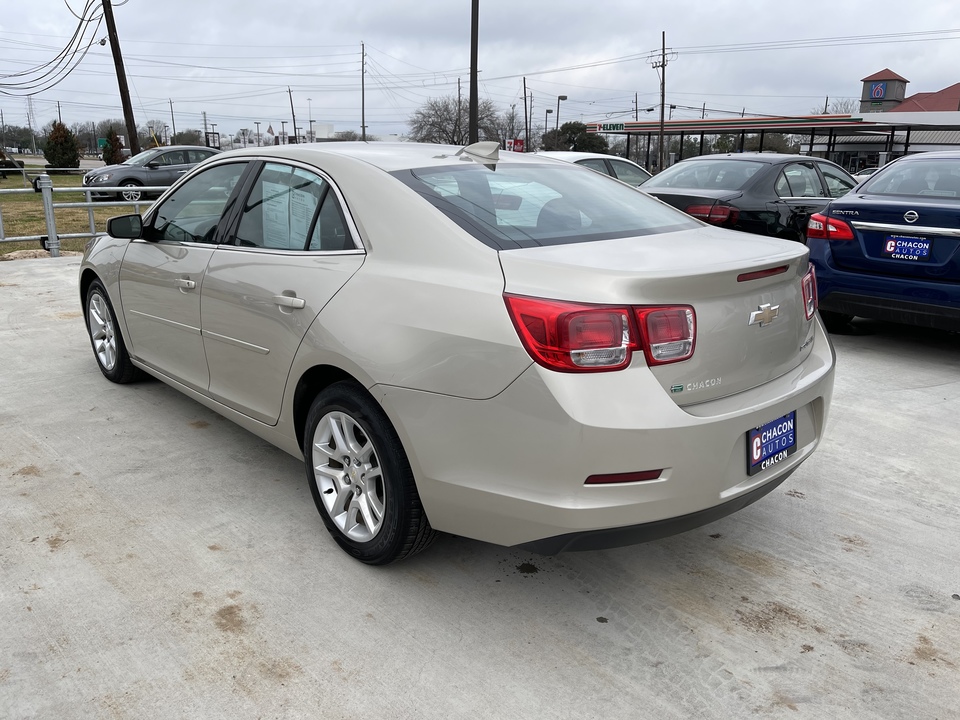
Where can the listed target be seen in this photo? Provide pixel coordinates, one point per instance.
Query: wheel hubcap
(131, 195)
(102, 331)
(349, 476)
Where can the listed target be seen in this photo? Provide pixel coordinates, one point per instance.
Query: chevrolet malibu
(514, 350)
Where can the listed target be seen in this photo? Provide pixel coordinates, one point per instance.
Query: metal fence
(44, 185)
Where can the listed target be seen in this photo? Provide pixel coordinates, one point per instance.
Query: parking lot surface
(158, 561)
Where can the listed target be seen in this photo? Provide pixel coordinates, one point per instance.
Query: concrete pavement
(159, 562)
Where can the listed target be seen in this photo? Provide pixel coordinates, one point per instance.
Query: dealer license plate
(906, 247)
(772, 443)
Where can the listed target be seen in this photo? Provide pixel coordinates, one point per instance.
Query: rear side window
(527, 205)
(629, 173)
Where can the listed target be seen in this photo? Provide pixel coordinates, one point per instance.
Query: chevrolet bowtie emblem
(764, 315)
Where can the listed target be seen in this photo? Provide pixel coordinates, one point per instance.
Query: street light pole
(310, 118)
(257, 123)
(559, 98)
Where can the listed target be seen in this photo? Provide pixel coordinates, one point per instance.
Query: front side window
(797, 180)
(512, 206)
(192, 212)
(290, 208)
(838, 184)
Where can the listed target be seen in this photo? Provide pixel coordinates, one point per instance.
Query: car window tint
(838, 184)
(192, 212)
(510, 206)
(171, 158)
(595, 164)
(195, 156)
(707, 174)
(629, 173)
(937, 178)
(798, 180)
(279, 214)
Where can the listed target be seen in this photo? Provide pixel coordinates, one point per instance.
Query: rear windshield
(510, 206)
(937, 178)
(706, 175)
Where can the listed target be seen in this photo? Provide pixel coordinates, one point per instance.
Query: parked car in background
(863, 174)
(762, 193)
(618, 167)
(158, 167)
(489, 344)
(891, 251)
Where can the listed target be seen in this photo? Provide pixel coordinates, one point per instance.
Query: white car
(493, 345)
(625, 170)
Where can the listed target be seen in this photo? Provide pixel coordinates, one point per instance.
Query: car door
(800, 194)
(293, 248)
(162, 274)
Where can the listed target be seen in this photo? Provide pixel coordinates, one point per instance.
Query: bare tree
(353, 135)
(839, 106)
(446, 120)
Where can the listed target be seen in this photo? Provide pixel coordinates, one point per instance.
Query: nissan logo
(911, 216)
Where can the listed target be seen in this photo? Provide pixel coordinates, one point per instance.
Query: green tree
(62, 150)
(574, 136)
(113, 150)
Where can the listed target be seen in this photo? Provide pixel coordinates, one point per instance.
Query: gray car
(499, 346)
(158, 167)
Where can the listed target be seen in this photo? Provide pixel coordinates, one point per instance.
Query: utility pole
(661, 66)
(526, 119)
(293, 115)
(206, 138)
(474, 94)
(60, 117)
(825, 103)
(363, 94)
(173, 124)
(132, 140)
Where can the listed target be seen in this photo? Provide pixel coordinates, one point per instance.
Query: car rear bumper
(511, 470)
(911, 301)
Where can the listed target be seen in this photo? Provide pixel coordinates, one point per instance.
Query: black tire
(836, 323)
(361, 482)
(105, 338)
(131, 195)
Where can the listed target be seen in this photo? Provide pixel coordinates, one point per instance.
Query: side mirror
(128, 227)
(152, 165)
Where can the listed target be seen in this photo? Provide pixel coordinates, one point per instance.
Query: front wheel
(108, 347)
(132, 193)
(360, 478)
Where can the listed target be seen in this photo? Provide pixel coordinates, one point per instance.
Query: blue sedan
(890, 250)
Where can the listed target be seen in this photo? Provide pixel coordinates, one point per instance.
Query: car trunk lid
(745, 290)
(903, 237)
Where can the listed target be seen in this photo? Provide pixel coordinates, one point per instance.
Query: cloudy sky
(235, 60)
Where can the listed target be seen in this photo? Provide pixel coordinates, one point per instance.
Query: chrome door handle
(184, 283)
(290, 302)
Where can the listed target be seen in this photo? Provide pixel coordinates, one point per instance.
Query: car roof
(764, 157)
(572, 155)
(389, 157)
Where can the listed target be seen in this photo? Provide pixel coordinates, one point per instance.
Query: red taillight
(810, 301)
(828, 228)
(714, 214)
(668, 333)
(575, 337)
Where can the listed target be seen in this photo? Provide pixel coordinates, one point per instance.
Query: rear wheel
(360, 478)
(835, 322)
(131, 194)
(108, 347)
